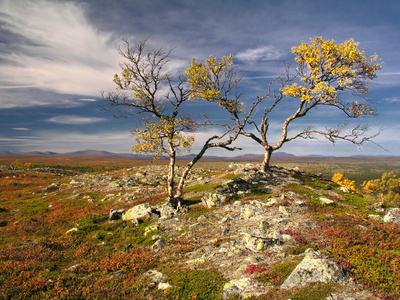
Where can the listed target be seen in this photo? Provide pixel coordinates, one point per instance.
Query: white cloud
(75, 120)
(263, 53)
(62, 52)
(48, 140)
(20, 129)
(394, 99)
(87, 100)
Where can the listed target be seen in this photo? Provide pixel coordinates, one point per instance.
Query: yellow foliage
(326, 68)
(386, 188)
(159, 136)
(344, 182)
(209, 80)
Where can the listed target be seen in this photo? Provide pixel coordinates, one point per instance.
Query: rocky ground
(246, 223)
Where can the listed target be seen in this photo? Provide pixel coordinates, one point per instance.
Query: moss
(198, 210)
(195, 284)
(316, 182)
(277, 274)
(202, 187)
(314, 291)
(232, 176)
(358, 200)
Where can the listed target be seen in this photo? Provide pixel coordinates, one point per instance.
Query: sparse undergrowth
(106, 260)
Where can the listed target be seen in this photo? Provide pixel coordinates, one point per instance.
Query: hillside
(239, 233)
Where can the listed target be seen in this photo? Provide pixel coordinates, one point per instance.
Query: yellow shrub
(344, 182)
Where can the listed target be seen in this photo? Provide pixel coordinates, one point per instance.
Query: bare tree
(144, 87)
(324, 71)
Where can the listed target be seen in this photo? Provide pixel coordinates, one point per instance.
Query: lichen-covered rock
(167, 211)
(314, 268)
(244, 287)
(236, 286)
(326, 201)
(116, 214)
(392, 216)
(159, 245)
(257, 244)
(136, 212)
(213, 199)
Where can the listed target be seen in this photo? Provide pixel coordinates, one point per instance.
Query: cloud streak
(58, 49)
(263, 53)
(76, 120)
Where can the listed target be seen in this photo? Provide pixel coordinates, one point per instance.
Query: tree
(144, 87)
(325, 70)
(387, 188)
(344, 182)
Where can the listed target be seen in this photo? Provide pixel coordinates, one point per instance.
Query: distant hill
(106, 154)
(97, 153)
(82, 153)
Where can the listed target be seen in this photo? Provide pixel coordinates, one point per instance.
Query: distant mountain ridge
(97, 153)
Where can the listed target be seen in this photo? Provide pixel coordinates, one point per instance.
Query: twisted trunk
(267, 159)
(171, 173)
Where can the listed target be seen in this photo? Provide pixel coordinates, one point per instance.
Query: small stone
(283, 210)
(299, 203)
(248, 213)
(159, 245)
(378, 204)
(156, 237)
(75, 229)
(202, 219)
(167, 211)
(326, 201)
(392, 216)
(116, 214)
(138, 211)
(236, 286)
(164, 286)
(195, 261)
(213, 199)
(272, 202)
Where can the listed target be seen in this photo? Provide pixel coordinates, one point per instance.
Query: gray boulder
(326, 201)
(313, 268)
(213, 199)
(392, 216)
(236, 286)
(136, 212)
(166, 211)
(116, 214)
(159, 245)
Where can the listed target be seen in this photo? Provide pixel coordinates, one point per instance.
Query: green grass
(277, 274)
(195, 284)
(201, 187)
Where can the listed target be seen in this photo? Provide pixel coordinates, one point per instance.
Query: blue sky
(57, 56)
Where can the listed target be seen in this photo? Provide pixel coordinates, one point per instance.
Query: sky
(56, 57)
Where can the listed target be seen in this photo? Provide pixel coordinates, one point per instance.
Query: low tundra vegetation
(55, 244)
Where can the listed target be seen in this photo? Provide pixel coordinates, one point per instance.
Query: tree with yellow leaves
(344, 182)
(144, 87)
(325, 71)
(387, 188)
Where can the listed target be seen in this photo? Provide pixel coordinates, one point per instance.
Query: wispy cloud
(20, 129)
(112, 141)
(75, 120)
(57, 48)
(263, 53)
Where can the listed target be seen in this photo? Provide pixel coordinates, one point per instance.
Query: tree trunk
(171, 174)
(179, 189)
(267, 159)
